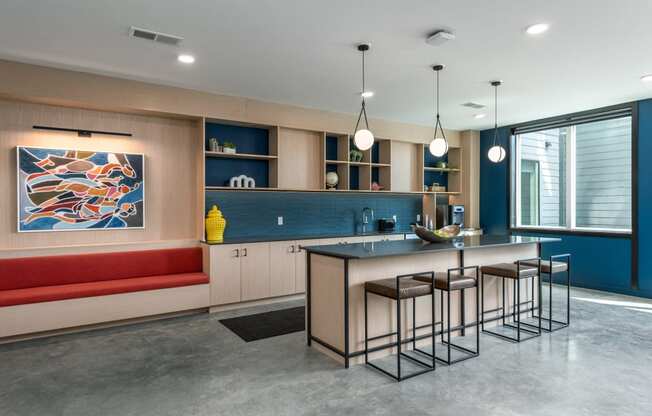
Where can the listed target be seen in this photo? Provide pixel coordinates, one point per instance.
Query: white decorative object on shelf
(242, 181)
(331, 180)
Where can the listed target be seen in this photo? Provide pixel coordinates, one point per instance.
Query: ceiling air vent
(473, 105)
(167, 39)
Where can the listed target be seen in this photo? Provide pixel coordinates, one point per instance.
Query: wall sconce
(81, 132)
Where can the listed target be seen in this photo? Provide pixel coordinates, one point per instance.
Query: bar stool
(399, 288)
(516, 272)
(551, 267)
(448, 282)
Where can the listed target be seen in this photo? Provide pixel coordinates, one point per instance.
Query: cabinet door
(301, 266)
(254, 271)
(225, 274)
(282, 268)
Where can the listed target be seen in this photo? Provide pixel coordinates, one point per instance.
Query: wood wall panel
(300, 160)
(470, 141)
(405, 166)
(170, 147)
(78, 89)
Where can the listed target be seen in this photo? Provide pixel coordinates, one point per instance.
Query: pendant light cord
(495, 114)
(438, 121)
(437, 90)
(363, 109)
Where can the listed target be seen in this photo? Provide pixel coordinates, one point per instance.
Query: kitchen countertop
(408, 247)
(245, 240)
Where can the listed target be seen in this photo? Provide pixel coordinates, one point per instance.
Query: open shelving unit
(256, 154)
(450, 176)
(375, 165)
(284, 159)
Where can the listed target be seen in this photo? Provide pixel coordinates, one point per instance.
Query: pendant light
(496, 153)
(439, 145)
(363, 138)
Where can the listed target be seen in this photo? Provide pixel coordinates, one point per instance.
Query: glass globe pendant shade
(496, 154)
(438, 147)
(363, 139)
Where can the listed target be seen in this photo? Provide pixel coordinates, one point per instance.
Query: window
(573, 176)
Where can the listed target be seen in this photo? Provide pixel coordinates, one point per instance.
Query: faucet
(365, 219)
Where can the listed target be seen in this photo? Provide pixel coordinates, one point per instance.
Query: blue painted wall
(645, 196)
(494, 197)
(307, 214)
(602, 263)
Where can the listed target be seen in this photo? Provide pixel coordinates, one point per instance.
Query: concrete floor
(193, 365)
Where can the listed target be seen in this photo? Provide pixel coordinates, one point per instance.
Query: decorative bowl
(444, 234)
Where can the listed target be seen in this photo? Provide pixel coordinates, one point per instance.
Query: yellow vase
(215, 225)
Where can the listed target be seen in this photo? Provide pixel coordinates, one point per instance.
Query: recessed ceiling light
(537, 29)
(646, 78)
(186, 59)
(479, 116)
(367, 94)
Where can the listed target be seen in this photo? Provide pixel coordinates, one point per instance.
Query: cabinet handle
(237, 252)
(292, 250)
(244, 252)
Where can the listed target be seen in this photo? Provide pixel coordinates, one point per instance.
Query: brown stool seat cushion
(409, 288)
(557, 266)
(509, 270)
(458, 281)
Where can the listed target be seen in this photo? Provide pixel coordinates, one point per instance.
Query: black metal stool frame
(398, 344)
(468, 352)
(549, 320)
(516, 309)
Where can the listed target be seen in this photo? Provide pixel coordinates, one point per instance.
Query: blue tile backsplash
(307, 214)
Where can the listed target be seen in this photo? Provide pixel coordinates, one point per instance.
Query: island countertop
(408, 247)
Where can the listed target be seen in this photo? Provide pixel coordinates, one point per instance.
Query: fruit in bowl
(437, 236)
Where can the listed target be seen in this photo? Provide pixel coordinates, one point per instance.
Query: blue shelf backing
(252, 140)
(219, 171)
(331, 147)
(331, 167)
(430, 161)
(307, 214)
(375, 152)
(354, 177)
(429, 177)
(375, 175)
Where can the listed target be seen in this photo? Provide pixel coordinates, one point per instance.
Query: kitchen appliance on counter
(456, 215)
(386, 225)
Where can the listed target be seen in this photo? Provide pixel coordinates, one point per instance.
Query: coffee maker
(456, 215)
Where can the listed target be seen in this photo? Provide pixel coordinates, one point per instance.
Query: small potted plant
(229, 147)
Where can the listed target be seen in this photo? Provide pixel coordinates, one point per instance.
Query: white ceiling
(302, 52)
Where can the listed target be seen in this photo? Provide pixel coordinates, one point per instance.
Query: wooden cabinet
(254, 271)
(245, 272)
(282, 268)
(239, 272)
(225, 274)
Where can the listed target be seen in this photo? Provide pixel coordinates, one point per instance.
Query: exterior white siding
(604, 174)
(548, 149)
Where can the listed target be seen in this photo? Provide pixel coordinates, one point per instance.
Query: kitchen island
(335, 289)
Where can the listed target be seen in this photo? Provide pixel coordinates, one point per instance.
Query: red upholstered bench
(53, 278)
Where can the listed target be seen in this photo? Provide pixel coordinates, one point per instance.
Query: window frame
(568, 119)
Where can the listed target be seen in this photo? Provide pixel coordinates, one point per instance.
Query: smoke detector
(439, 38)
(137, 32)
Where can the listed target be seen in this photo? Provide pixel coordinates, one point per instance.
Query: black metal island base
(337, 274)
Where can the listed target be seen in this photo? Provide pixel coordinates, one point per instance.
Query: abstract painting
(66, 190)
